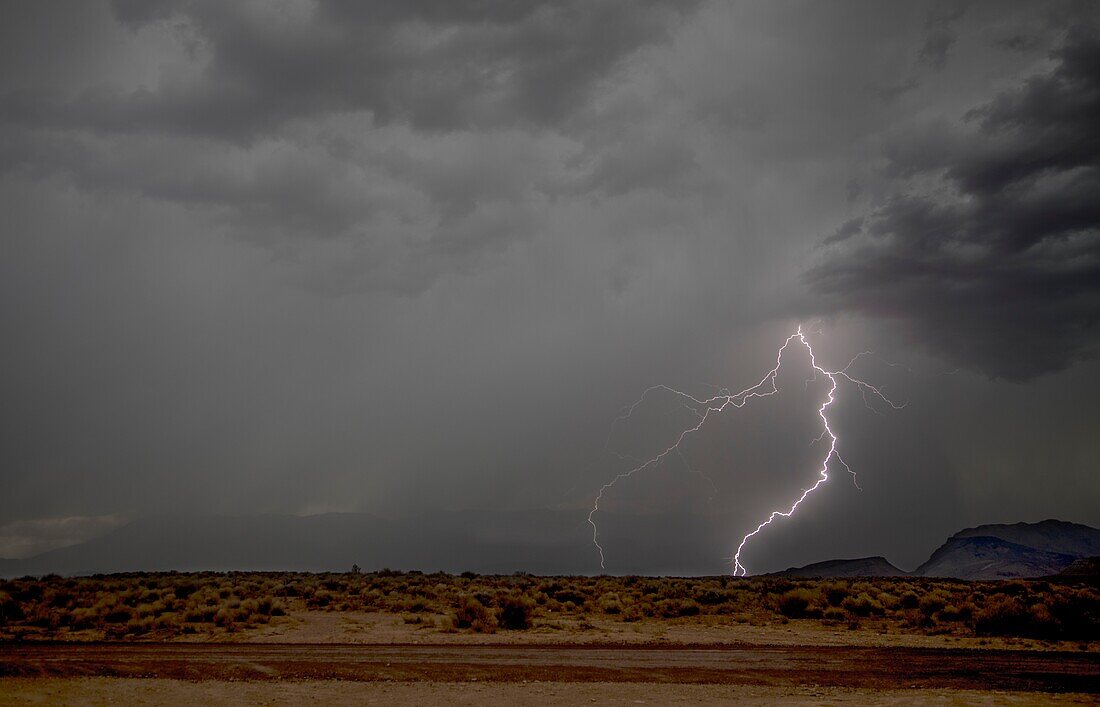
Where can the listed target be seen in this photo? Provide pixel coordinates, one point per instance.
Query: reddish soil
(874, 668)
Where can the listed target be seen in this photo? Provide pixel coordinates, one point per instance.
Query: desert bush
(1071, 615)
(862, 605)
(909, 600)
(224, 618)
(709, 596)
(951, 612)
(570, 595)
(1078, 614)
(888, 601)
(835, 593)
(672, 608)
(472, 614)
(933, 601)
(118, 615)
(611, 604)
(516, 611)
(138, 626)
(10, 609)
(1003, 615)
(795, 602)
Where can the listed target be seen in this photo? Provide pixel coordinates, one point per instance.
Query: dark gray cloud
(434, 65)
(991, 253)
(259, 123)
(939, 34)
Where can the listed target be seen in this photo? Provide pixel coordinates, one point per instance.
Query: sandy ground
(103, 691)
(878, 668)
(381, 628)
(341, 657)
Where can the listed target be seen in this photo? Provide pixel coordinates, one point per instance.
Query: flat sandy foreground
(102, 691)
(329, 658)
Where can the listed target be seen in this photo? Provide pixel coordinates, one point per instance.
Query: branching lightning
(704, 407)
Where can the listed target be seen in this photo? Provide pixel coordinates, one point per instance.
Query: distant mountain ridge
(985, 557)
(1002, 551)
(860, 567)
(489, 542)
(541, 542)
(1050, 535)
(986, 552)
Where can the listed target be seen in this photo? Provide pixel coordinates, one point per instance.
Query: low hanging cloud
(26, 538)
(989, 252)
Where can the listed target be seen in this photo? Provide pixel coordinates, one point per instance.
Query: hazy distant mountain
(542, 542)
(1018, 550)
(861, 567)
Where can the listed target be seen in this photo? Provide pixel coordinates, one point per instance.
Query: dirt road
(827, 666)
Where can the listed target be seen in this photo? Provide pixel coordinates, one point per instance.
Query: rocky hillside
(984, 557)
(1016, 550)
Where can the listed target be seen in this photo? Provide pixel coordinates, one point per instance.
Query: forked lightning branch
(705, 408)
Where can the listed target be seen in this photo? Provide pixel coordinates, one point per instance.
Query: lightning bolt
(704, 407)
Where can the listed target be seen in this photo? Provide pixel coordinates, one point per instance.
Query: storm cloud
(356, 123)
(410, 259)
(434, 65)
(990, 250)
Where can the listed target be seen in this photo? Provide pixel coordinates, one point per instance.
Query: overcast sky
(393, 257)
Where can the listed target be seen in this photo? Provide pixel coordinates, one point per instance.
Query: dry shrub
(673, 608)
(474, 615)
(611, 604)
(951, 612)
(516, 611)
(933, 602)
(795, 603)
(138, 626)
(10, 610)
(862, 605)
(118, 615)
(710, 596)
(835, 593)
(1002, 615)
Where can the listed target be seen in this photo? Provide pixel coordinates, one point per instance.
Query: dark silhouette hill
(860, 567)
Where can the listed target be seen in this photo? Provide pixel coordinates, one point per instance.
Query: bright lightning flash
(703, 408)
